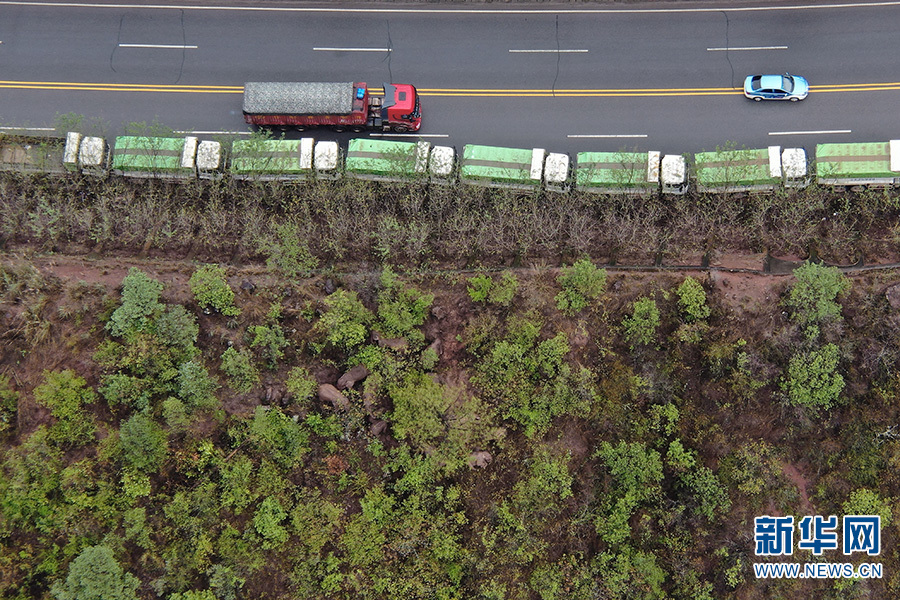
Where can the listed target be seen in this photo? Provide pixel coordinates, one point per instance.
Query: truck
(514, 168)
(754, 170)
(170, 158)
(340, 106)
(386, 160)
(630, 173)
(267, 160)
(859, 165)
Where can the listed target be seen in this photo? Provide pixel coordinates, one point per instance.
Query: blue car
(776, 87)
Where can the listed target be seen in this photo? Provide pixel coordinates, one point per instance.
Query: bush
(64, 393)
(238, 368)
(196, 386)
(344, 323)
(401, 308)
(813, 381)
(288, 253)
(9, 402)
(96, 575)
(582, 283)
(178, 329)
(211, 290)
(640, 328)
(143, 443)
(267, 522)
(119, 388)
(271, 341)
(278, 436)
(484, 289)
(140, 304)
(301, 385)
(812, 298)
(692, 300)
(867, 502)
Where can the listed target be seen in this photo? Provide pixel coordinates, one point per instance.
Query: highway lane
(453, 53)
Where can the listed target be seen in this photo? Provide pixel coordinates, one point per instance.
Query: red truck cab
(401, 107)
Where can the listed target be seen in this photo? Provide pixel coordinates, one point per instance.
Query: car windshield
(787, 83)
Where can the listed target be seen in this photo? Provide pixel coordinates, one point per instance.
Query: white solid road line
(28, 128)
(819, 132)
(418, 135)
(578, 51)
(213, 132)
(164, 46)
(353, 49)
(603, 135)
(741, 49)
(463, 10)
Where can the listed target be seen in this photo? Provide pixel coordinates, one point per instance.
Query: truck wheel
(400, 128)
(358, 129)
(339, 129)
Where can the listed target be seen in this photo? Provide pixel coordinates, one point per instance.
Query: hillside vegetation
(340, 413)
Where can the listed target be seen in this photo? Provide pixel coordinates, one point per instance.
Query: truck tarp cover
(298, 98)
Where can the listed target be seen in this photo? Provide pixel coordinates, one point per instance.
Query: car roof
(770, 82)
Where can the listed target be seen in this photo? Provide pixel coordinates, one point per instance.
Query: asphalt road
(567, 78)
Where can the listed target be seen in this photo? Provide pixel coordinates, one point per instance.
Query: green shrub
(238, 368)
(640, 327)
(301, 385)
(267, 522)
(64, 393)
(119, 388)
(278, 436)
(178, 329)
(867, 502)
(9, 403)
(143, 443)
(344, 323)
(479, 287)
(813, 380)
(582, 283)
(483, 288)
(812, 298)
(140, 304)
(211, 290)
(96, 575)
(271, 342)
(288, 252)
(692, 300)
(401, 308)
(196, 386)
(752, 469)
(175, 414)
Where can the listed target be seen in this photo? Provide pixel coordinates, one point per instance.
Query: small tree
(9, 402)
(211, 290)
(692, 300)
(344, 323)
(813, 380)
(267, 522)
(238, 367)
(96, 575)
(812, 298)
(143, 443)
(640, 327)
(64, 393)
(195, 385)
(301, 384)
(581, 283)
(140, 304)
